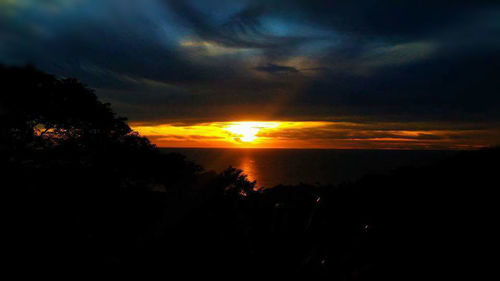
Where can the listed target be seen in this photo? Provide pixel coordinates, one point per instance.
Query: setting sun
(247, 131)
(292, 134)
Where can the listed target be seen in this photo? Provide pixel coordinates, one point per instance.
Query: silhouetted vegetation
(82, 190)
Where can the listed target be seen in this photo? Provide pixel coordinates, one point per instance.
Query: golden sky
(316, 134)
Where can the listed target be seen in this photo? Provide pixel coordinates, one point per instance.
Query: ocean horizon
(274, 166)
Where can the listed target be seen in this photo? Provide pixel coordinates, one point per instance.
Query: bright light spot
(247, 131)
(209, 48)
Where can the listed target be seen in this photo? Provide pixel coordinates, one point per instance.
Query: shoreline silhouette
(83, 191)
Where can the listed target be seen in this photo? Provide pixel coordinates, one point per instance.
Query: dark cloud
(276, 69)
(241, 30)
(364, 61)
(387, 18)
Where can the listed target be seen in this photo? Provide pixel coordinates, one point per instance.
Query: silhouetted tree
(38, 109)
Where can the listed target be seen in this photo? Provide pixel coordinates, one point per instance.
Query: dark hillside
(81, 190)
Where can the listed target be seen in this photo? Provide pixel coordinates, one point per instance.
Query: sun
(247, 131)
(243, 132)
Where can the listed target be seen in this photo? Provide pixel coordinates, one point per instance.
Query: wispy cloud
(162, 61)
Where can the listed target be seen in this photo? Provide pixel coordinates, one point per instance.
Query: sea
(271, 167)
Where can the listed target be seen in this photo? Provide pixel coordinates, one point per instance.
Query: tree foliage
(38, 109)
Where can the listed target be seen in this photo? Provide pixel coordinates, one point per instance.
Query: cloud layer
(167, 61)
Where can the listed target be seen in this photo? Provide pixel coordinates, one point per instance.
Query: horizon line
(320, 148)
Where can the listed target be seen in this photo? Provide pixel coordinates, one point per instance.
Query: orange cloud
(316, 134)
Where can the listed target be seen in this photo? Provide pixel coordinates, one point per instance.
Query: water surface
(270, 167)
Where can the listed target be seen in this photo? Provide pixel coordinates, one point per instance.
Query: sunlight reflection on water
(247, 164)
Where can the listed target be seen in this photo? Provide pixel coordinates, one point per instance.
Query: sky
(386, 74)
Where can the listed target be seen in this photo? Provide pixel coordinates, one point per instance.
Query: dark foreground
(82, 192)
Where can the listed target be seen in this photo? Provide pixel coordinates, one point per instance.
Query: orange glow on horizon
(310, 134)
